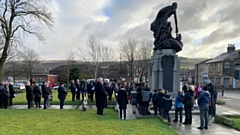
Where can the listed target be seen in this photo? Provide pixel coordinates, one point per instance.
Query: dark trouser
(155, 109)
(188, 115)
(29, 104)
(176, 114)
(166, 115)
(37, 104)
(160, 111)
(5, 102)
(73, 96)
(91, 95)
(61, 103)
(145, 107)
(213, 107)
(124, 113)
(100, 110)
(83, 95)
(10, 101)
(78, 95)
(203, 116)
(45, 103)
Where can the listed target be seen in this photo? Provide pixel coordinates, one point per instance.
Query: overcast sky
(207, 26)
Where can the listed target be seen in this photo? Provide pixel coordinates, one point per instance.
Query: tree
(144, 53)
(30, 62)
(96, 54)
(17, 17)
(107, 60)
(129, 52)
(70, 62)
(75, 73)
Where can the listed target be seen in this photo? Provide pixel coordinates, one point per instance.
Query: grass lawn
(20, 99)
(236, 119)
(76, 122)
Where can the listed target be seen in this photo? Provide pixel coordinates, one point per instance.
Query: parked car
(19, 86)
(55, 87)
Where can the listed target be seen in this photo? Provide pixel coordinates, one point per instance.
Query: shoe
(175, 120)
(185, 123)
(206, 127)
(200, 128)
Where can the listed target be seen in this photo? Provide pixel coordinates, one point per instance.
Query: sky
(207, 26)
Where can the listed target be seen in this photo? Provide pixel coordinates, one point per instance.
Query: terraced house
(224, 69)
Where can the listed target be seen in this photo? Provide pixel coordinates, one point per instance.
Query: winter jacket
(11, 90)
(188, 99)
(203, 99)
(45, 92)
(61, 93)
(122, 99)
(167, 102)
(29, 93)
(179, 101)
(133, 97)
(210, 88)
(154, 98)
(146, 95)
(160, 99)
(37, 92)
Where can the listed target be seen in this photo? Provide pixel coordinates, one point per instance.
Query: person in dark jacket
(82, 88)
(154, 101)
(133, 100)
(211, 90)
(61, 94)
(188, 100)
(45, 93)
(29, 94)
(203, 101)
(139, 100)
(160, 101)
(107, 88)
(12, 92)
(6, 95)
(178, 106)
(1, 96)
(122, 102)
(167, 105)
(110, 92)
(101, 96)
(91, 90)
(146, 99)
(185, 87)
(73, 90)
(37, 95)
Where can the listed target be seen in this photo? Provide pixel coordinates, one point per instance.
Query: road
(231, 97)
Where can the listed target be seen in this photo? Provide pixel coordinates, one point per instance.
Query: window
(218, 67)
(210, 68)
(226, 65)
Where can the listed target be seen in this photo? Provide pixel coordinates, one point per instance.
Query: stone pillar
(166, 71)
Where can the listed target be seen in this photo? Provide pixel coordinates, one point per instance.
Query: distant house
(39, 78)
(191, 76)
(223, 69)
(201, 72)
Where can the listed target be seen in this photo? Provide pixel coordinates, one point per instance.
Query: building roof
(204, 61)
(225, 56)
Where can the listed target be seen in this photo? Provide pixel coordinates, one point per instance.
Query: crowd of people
(7, 94)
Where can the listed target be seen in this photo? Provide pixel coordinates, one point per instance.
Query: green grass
(236, 119)
(20, 99)
(76, 122)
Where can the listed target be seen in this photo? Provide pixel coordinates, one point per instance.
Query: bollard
(222, 92)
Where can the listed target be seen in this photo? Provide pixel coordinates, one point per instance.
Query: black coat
(37, 92)
(188, 99)
(159, 99)
(45, 92)
(82, 86)
(122, 99)
(61, 93)
(11, 90)
(184, 88)
(210, 88)
(29, 93)
(100, 95)
(72, 87)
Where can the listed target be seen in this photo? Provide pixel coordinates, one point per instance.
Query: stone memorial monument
(164, 69)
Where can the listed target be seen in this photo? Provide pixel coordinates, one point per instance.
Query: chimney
(230, 48)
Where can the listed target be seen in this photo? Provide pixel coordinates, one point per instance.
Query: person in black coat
(122, 102)
(188, 100)
(159, 101)
(74, 90)
(91, 90)
(12, 92)
(1, 96)
(154, 101)
(37, 95)
(45, 93)
(29, 94)
(101, 96)
(82, 89)
(6, 95)
(139, 99)
(185, 87)
(61, 94)
(167, 105)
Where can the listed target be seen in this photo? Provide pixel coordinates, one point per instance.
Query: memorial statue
(162, 30)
